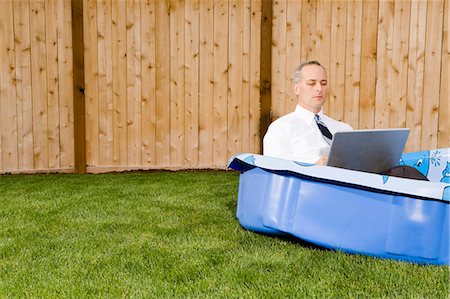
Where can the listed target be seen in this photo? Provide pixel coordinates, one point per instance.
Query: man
(298, 135)
(305, 135)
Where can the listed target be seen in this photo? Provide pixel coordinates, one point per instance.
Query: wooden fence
(171, 83)
(36, 86)
(187, 84)
(387, 61)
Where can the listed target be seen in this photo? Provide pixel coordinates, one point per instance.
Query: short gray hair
(298, 71)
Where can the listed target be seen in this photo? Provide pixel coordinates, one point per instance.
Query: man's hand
(322, 160)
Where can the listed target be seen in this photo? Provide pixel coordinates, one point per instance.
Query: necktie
(323, 128)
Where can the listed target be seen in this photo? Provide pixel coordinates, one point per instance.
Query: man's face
(312, 88)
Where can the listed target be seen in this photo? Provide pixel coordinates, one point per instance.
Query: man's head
(310, 85)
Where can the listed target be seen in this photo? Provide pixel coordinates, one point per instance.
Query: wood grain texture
(148, 36)
(433, 57)
(66, 84)
(368, 65)
(444, 101)
(192, 76)
(8, 108)
(206, 82)
(162, 87)
(176, 83)
(91, 81)
(220, 92)
(39, 84)
(336, 72)
(279, 70)
(416, 64)
(23, 85)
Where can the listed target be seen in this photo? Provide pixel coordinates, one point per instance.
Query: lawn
(172, 235)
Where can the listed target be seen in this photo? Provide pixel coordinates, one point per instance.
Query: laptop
(374, 150)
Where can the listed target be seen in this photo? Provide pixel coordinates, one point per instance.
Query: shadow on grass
(285, 237)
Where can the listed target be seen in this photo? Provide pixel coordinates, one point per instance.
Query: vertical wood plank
(293, 49)
(105, 95)
(433, 48)
(91, 79)
(337, 70)
(308, 29)
(399, 64)
(265, 67)
(39, 83)
(416, 63)
(177, 84)
(235, 80)
(245, 96)
(162, 84)
(119, 31)
(23, 84)
(192, 40)
(8, 109)
(133, 75)
(130, 80)
(353, 63)
(206, 82)
(148, 88)
(221, 74)
(79, 108)
(65, 71)
(444, 102)
(255, 84)
(1, 145)
(138, 84)
(323, 51)
(323, 33)
(322, 36)
(279, 68)
(384, 64)
(2, 88)
(368, 65)
(53, 121)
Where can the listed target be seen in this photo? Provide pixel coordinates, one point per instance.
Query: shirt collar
(306, 114)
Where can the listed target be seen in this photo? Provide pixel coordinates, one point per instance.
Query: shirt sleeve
(273, 143)
(347, 127)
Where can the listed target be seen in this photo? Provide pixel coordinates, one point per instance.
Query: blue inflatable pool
(352, 211)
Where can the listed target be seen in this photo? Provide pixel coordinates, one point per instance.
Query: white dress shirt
(296, 136)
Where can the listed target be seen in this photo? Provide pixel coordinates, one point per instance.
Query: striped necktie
(323, 128)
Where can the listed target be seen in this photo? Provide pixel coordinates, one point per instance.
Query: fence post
(265, 68)
(78, 86)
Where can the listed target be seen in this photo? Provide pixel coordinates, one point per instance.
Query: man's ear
(296, 88)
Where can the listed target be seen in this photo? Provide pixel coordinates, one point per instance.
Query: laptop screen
(376, 150)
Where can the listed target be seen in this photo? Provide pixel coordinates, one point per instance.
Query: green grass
(171, 235)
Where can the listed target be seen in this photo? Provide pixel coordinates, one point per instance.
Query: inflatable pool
(347, 210)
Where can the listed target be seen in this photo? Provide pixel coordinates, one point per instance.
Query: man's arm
(273, 144)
